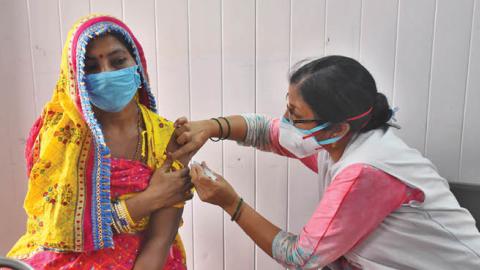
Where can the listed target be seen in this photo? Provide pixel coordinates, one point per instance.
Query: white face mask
(300, 142)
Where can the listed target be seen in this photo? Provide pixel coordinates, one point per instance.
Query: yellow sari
(68, 202)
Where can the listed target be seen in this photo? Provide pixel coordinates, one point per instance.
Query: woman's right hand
(166, 189)
(192, 135)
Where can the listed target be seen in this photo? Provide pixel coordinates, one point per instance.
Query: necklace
(139, 135)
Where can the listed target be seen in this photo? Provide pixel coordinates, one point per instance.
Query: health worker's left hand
(218, 192)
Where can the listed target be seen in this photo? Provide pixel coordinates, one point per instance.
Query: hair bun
(381, 113)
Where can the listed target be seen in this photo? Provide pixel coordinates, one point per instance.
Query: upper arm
(174, 146)
(359, 195)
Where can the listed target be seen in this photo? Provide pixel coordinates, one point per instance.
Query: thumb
(195, 173)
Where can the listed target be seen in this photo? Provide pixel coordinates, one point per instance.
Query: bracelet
(221, 131)
(229, 128)
(122, 221)
(236, 214)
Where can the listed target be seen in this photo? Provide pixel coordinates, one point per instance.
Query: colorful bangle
(229, 128)
(221, 130)
(236, 214)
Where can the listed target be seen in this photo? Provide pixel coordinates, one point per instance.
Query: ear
(341, 130)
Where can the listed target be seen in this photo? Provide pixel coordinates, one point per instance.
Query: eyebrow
(116, 51)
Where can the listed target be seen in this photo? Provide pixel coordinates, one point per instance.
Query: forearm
(141, 205)
(238, 128)
(162, 230)
(259, 229)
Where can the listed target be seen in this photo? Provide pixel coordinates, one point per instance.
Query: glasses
(303, 121)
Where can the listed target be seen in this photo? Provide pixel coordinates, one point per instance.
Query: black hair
(338, 88)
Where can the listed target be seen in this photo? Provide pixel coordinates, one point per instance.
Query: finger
(194, 172)
(167, 164)
(180, 121)
(180, 130)
(184, 138)
(182, 173)
(184, 150)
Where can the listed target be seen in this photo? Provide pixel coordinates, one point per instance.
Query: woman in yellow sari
(102, 194)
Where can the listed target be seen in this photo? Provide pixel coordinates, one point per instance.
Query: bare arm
(221, 193)
(194, 134)
(162, 230)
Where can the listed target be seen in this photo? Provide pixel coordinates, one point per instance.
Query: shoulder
(365, 176)
(154, 119)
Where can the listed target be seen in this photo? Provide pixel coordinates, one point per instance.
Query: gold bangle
(131, 223)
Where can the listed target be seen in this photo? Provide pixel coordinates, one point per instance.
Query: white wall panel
(377, 42)
(272, 62)
(206, 101)
(111, 7)
(470, 158)
(17, 105)
(343, 27)
(46, 48)
(412, 71)
(238, 83)
(448, 83)
(70, 13)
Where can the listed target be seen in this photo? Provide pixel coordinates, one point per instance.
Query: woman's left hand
(218, 192)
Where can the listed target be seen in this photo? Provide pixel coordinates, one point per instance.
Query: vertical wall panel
(272, 62)
(447, 88)
(140, 17)
(110, 7)
(17, 105)
(71, 12)
(343, 27)
(206, 99)
(470, 169)
(46, 48)
(307, 41)
(412, 77)
(377, 43)
(173, 82)
(238, 33)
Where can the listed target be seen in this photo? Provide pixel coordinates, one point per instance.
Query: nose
(104, 66)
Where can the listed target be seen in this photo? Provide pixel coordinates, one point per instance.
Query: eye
(119, 61)
(91, 68)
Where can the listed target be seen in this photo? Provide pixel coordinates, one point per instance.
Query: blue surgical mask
(111, 91)
(300, 142)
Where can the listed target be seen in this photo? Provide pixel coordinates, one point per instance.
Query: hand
(218, 192)
(168, 188)
(192, 135)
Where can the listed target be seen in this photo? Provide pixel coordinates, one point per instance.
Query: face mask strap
(328, 141)
(360, 115)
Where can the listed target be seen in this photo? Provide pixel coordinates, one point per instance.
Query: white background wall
(211, 57)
